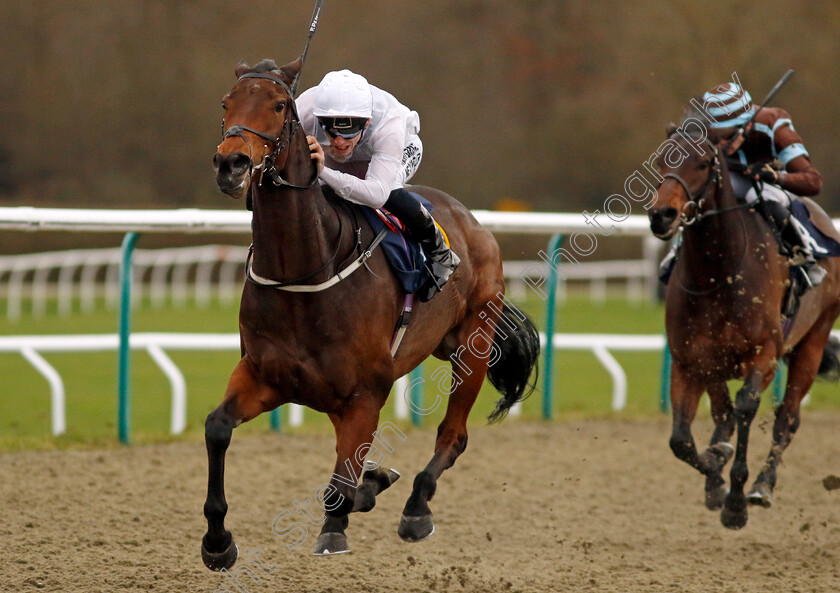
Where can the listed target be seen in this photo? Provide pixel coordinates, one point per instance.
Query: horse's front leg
(685, 396)
(734, 514)
(719, 447)
(245, 399)
(354, 441)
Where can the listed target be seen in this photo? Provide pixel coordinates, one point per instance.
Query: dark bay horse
(723, 318)
(329, 349)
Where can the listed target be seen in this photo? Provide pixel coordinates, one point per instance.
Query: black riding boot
(794, 245)
(440, 260)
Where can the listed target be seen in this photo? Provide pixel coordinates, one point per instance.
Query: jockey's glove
(762, 172)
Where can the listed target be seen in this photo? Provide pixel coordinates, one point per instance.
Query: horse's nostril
(663, 215)
(239, 164)
(236, 164)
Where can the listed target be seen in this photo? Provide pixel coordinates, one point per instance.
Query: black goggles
(346, 127)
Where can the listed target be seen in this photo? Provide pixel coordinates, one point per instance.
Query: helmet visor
(346, 127)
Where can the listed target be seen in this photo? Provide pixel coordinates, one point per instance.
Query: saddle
(403, 253)
(824, 240)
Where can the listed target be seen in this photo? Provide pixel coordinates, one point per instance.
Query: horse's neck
(716, 244)
(295, 231)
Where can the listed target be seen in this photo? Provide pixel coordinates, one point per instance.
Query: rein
(696, 201)
(268, 167)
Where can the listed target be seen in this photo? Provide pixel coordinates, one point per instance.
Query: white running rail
(156, 344)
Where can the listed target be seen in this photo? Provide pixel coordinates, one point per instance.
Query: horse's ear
(241, 68)
(670, 129)
(290, 71)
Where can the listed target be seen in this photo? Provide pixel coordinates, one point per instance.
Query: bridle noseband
(268, 166)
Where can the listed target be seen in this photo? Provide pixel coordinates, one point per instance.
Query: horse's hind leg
(417, 523)
(245, 399)
(804, 362)
(685, 396)
(354, 441)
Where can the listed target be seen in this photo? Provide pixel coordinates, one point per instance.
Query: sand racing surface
(596, 505)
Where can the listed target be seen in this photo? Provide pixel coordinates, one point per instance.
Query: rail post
(779, 381)
(553, 245)
(275, 419)
(416, 395)
(665, 384)
(124, 403)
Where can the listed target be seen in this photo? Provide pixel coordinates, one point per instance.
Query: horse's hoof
(225, 559)
(330, 544)
(733, 519)
(716, 497)
(760, 495)
(393, 475)
(383, 477)
(725, 450)
(416, 529)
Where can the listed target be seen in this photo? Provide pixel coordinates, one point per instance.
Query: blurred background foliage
(544, 104)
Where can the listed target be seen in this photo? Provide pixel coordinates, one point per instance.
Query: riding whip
(782, 81)
(738, 139)
(313, 25)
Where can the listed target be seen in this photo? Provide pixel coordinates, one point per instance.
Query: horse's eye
(279, 106)
(224, 106)
(705, 164)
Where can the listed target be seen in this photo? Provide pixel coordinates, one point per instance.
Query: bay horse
(723, 317)
(329, 349)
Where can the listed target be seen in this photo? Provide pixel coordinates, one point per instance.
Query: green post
(665, 386)
(779, 383)
(124, 404)
(416, 395)
(275, 419)
(553, 245)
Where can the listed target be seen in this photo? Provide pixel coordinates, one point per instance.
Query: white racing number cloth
(384, 159)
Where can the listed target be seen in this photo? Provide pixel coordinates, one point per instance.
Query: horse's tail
(519, 344)
(830, 363)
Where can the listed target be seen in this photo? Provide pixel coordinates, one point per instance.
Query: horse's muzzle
(663, 221)
(232, 173)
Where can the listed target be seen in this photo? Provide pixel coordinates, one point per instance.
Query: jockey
(367, 147)
(769, 155)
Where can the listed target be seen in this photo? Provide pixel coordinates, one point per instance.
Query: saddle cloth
(403, 254)
(821, 245)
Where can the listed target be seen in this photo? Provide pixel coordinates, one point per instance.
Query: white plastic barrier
(77, 271)
(31, 347)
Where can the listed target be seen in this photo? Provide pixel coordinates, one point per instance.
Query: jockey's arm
(798, 175)
(382, 172)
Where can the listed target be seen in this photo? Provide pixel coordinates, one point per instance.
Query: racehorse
(723, 317)
(318, 334)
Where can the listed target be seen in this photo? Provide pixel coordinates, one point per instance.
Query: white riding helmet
(343, 93)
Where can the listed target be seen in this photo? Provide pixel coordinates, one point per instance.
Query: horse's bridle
(692, 210)
(291, 125)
